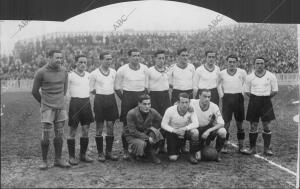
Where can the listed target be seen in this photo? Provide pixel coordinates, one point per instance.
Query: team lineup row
(150, 120)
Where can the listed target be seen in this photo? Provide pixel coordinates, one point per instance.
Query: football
(209, 154)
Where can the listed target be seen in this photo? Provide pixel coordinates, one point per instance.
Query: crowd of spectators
(276, 42)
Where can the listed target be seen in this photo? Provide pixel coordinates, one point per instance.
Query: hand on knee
(222, 132)
(173, 157)
(194, 134)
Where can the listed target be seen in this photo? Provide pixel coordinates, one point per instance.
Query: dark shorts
(174, 143)
(160, 101)
(176, 92)
(260, 107)
(129, 101)
(233, 104)
(214, 95)
(211, 137)
(80, 111)
(105, 108)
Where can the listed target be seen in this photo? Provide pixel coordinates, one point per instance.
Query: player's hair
(79, 56)
(259, 57)
(159, 52)
(203, 90)
(232, 56)
(179, 51)
(132, 50)
(52, 52)
(183, 95)
(103, 54)
(209, 51)
(143, 97)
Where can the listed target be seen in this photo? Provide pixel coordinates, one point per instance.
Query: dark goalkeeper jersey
(53, 84)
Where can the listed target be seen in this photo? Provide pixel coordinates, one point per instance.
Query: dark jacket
(137, 127)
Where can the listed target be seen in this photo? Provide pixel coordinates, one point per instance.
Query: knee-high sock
(71, 147)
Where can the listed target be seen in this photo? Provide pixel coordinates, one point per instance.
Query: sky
(141, 15)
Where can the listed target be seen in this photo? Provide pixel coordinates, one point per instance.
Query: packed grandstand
(277, 43)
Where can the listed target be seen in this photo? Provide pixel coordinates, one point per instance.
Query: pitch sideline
(269, 161)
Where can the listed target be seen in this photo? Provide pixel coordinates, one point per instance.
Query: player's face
(107, 60)
(204, 97)
(145, 105)
(231, 63)
(184, 57)
(211, 58)
(160, 60)
(184, 104)
(135, 57)
(259, 64)
(81, 64)
(57, 60)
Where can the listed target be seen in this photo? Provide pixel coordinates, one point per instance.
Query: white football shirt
(172, 120)
(204, 117)
(158, 81)
(104, 84)
(261, 86)
(79, 85)
(132, 80)
(182, 79)
(233, 84)
(205, 79)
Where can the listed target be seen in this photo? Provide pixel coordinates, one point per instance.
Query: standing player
(180, 124)
(207, 76)
(181, 79)
(79, 110)
(52, 79)
(261, 86)
(131, 82)
(232, 82)
(105, 106)
(211, 123)
(159, 84)
(181, 76)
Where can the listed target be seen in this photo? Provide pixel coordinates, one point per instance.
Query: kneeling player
(180, 124)
(79, 109)
(211, 123)
(142, 131)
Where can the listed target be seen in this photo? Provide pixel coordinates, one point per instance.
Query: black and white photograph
(149, 94)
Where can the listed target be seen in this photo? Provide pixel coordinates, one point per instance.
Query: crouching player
(211, 123)
(80, 110)
(181, 124)
(142, 130)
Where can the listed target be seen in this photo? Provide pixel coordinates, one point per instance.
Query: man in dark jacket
(142, 131)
